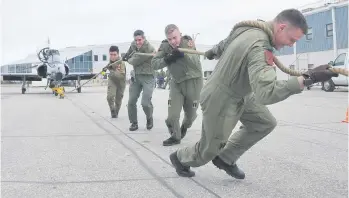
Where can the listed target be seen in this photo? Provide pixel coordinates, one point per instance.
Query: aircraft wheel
(79, 90)
(24, 90)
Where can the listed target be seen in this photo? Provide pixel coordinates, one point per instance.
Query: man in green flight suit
(144, 79)
(240, 87)
(186, 83)
(116, 81)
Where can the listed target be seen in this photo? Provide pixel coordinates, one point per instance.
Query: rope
(261, 25)
(95, 76)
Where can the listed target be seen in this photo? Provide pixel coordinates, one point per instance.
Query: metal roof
(321, 6)
(66, 53)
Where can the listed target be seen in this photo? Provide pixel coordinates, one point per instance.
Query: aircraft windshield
(55, 56)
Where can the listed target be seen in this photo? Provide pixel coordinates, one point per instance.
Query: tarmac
(71, 147)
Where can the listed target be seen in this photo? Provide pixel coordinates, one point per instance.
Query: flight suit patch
(269, 57)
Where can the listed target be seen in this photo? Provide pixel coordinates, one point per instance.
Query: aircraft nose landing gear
(23, 85)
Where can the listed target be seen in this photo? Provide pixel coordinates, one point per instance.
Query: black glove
(169, 59)
(105, 69)
(209, 55)
(125, 58)
(319, 74)
(176, 53)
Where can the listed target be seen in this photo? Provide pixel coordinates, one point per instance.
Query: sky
(26, 25)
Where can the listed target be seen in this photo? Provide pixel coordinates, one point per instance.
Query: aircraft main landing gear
(23, 85)
(78, 84)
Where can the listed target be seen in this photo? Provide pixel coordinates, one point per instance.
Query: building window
(88, 58)
(309, 35)
(81, 58)
(104, 57)
(329, 30)
(95, 57)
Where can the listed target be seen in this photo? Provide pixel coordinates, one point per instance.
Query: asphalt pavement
(71, 147)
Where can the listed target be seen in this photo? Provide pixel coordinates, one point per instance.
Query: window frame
(309, 34)
(329, 30)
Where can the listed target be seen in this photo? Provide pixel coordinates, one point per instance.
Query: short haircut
(114, 48)
(294, 17)
(138, 33)
(170, 28)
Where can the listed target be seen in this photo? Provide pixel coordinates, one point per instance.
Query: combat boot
(150, 123)
(113, 114)
(183, 131)
(134, 126)
(183, 171)
(231, 170)
(170, 141)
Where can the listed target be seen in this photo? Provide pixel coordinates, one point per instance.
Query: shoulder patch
(269, 57)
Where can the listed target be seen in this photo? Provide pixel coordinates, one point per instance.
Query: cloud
(27, 24)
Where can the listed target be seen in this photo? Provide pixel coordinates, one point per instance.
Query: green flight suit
(168, 78)
(144, 80)
(185, 86)
(240, 87)
(116, 86)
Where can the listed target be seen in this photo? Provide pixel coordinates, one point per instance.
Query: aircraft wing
(83, 76)
(20, 77)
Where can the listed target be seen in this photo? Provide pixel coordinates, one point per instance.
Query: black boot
(183, 131)
(150, 123)
(113, 114)
(170, 141)
(183, 171)
(231, 170)
(134, 126)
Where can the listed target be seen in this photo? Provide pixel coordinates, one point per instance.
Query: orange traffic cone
(346, 117)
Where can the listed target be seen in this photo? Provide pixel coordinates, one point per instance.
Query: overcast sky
(26, 24)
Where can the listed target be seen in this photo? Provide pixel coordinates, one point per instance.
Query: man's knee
(132, 99)
(119, 96)
(110, 97)
(146, 100)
